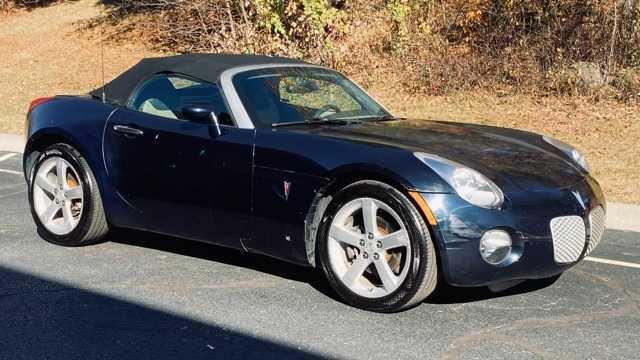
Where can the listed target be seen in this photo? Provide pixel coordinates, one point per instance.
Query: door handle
(127, 130)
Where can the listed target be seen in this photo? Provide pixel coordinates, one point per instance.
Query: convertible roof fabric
(207, 67)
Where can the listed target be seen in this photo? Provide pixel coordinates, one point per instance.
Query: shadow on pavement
(43, 319)
(225, 255)
(445, 294)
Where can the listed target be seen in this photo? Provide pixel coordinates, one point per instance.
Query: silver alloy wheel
(369, 247)
(58, 195)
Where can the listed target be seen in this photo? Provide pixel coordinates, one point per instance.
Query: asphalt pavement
(143, 296)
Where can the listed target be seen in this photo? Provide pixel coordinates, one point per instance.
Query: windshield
(298, 94)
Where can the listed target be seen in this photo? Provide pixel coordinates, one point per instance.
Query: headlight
(570, 151)
(468, 183)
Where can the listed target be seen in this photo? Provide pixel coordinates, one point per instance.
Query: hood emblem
(286, 186)
(578, 197)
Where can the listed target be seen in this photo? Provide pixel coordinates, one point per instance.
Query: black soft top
(207, 67)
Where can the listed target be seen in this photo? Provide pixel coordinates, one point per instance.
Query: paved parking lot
(143, 296)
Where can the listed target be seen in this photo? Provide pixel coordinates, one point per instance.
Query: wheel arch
(46, 137)
(343, 178)
(40, 141)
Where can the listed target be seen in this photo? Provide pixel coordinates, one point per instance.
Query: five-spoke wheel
(65, 199)
(368, 247)
(376, 249)
(57, 195)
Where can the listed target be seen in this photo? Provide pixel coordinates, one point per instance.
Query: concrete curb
(10, 142)
(620, 216)
(623, 217)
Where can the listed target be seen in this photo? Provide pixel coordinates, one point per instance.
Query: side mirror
(203, 114)
(197, 113)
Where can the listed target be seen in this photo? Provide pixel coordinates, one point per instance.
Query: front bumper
(525, 215)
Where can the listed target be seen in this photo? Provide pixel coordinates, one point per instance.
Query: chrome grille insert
(569, 236)
(597, 221)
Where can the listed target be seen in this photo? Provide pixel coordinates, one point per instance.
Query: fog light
(495, 246)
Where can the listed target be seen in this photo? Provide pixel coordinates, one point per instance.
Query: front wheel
(376, 249)
(64, 198)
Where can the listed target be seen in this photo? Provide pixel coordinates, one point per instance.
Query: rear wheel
(64, 198)
(376, 249)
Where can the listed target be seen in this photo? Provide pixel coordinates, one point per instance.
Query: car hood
(514, 160)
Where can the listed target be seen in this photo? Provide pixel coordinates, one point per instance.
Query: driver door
(173, 175)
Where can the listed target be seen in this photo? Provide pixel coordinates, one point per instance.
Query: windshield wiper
(372, 118)
(346, 120)
(387, 117)
(314, 122)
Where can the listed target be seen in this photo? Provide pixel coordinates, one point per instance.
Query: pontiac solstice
(291, 160)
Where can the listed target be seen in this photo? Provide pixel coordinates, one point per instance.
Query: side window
(315, 93)
(166, 95)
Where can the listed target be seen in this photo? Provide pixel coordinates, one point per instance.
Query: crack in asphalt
(631, 308)
(467, 342)
(614, 285)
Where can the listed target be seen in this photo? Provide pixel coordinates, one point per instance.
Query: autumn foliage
(422, 46)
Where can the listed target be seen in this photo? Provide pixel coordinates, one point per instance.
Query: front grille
(569, 236)
(597, 220)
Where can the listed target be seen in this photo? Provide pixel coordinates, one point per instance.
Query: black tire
(422, 276)
(92, 225)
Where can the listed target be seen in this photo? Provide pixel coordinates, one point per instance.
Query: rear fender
(78, 122)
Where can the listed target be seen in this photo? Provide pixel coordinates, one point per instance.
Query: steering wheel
(326, 111)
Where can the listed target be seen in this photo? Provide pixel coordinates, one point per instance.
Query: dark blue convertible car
(292, 160)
